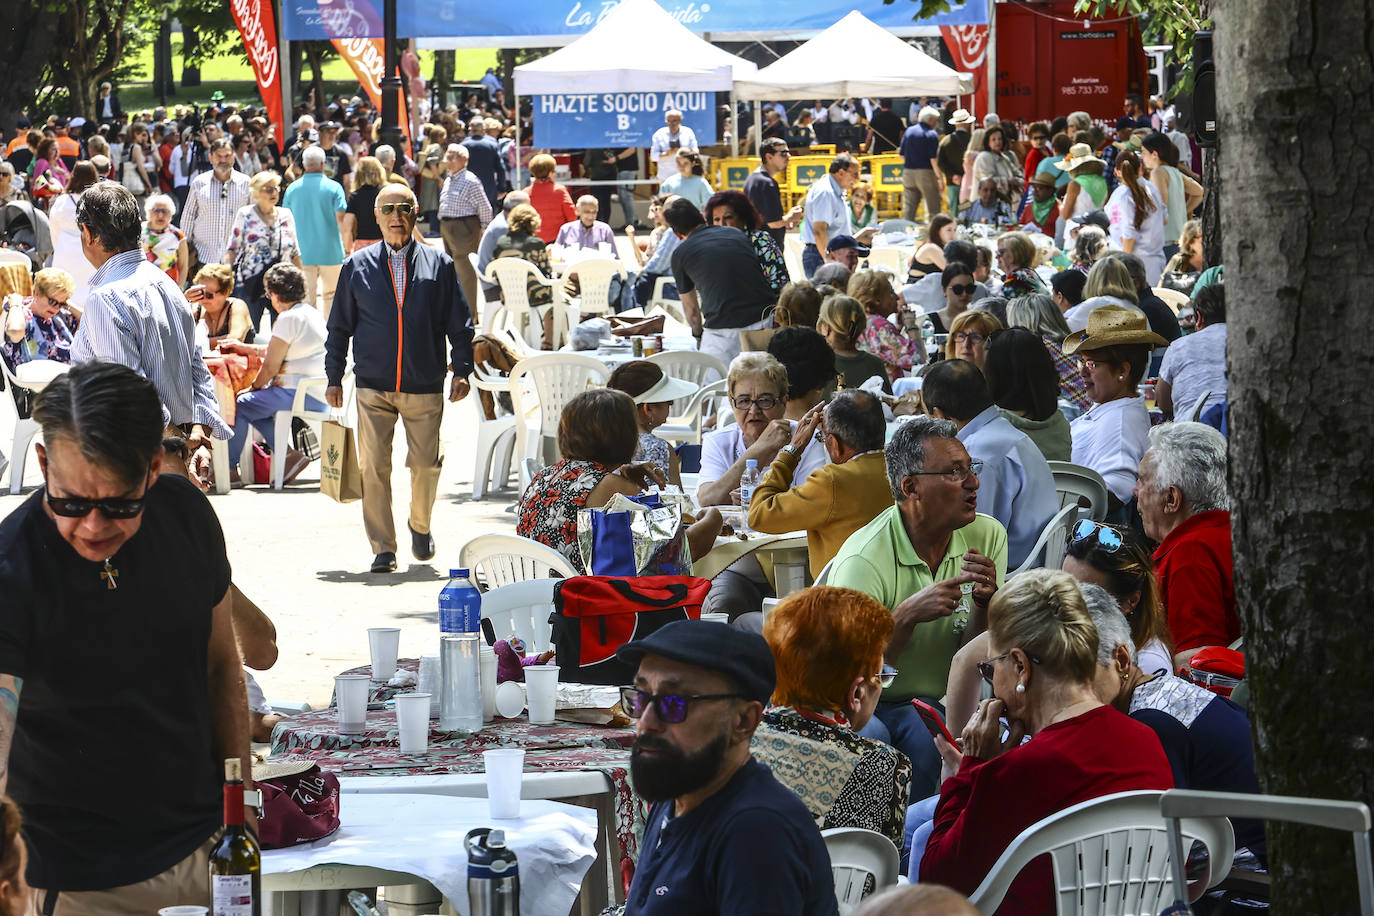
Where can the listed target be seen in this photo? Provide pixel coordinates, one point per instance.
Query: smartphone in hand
(934, 722)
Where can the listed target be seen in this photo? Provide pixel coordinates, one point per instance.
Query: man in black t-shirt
(719, 278)
(761, 187)
(337, 164)
(884, 129)
(115, 629)
(722, 835)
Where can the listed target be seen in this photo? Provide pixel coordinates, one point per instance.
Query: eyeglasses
(886, 676)
(1039, 137)
(955, 474)
(986, 669)
(963, 289)
(212, 293)
(1091, 364)
(671, 708)
(224, 191)
(1108, 538)
(405, 209)
(972, 337)
(113, 509)
(765, 403)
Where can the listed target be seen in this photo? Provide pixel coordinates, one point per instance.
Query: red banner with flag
(367, 58)
(259, 30)
(968, 45)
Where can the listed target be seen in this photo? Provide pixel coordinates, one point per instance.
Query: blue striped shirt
(136, 315)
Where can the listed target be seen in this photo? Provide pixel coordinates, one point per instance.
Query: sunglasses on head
(113, 509)
(1108, 538)
(405, 209)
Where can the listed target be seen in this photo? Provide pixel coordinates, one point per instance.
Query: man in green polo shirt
(935, 563)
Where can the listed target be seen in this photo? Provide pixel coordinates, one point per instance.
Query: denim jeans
(257, 409)
(898, 724)
(811, 260)
(627, 194)
(920, 824)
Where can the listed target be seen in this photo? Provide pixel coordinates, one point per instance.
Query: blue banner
(585, 120)
(521, 23)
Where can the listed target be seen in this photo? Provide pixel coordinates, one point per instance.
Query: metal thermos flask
(493, 875)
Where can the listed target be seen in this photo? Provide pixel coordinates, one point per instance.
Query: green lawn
(228, 72)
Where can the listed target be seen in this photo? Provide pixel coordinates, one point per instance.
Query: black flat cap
(743, 657)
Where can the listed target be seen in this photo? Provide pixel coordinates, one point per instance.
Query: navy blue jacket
(399, 346)
(484, 161)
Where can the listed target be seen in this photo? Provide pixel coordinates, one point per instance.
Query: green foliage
(927, 8)
(1162, 22)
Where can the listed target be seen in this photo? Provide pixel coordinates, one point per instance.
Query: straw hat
(962, 117)
(1044, 179)
(1112, 326)
(1079, 154)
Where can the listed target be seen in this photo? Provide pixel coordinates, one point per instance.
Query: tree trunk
(444, 62)
(190, 43)
(1212, 251)
(315, 55)
(163, 83)
(24, 47)
(1300, 347)
(297, 67)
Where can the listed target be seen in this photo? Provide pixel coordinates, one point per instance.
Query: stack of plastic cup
(488, 661)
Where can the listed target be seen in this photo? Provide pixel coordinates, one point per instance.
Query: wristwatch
(792, 450)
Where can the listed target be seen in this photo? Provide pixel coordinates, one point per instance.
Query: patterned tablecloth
(232, 373)
(379, 692)
(562, 746)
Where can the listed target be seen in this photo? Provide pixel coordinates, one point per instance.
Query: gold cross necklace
(109, 574)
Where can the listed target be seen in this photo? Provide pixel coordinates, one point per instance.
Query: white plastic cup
(510, 700)
(412, 722)
(505, 769)
(351, 692)
(429, 682)
(541, 693)
(487, 656)
(384, 643)
(716, 618)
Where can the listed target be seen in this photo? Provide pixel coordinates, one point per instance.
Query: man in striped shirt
(464, 212)
(136, 315)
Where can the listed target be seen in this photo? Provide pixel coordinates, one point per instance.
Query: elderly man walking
(317, 204)
(464, 213)
(934, 561)
(213, 199)
(921, 175)
(397, 302)
(484, 159)
(114, 560)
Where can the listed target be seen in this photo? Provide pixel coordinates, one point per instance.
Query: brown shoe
(295, 463)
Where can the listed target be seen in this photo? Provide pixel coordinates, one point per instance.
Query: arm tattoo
(10, 688)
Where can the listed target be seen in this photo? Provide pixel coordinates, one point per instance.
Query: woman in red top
(1043, 656)
(551, 199)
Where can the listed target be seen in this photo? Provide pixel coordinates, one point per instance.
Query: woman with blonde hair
(41, 326)
(1016, 258)
(842, 322)
(225, 317)
(968, 336)
(799, 305)
(1041, 663)
(552, 201)
(360, 227)
(1109, 283)
(828, 647)
(264, 234)
(882, 338)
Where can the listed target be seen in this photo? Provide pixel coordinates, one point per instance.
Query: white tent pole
(734, 127)
(516, 184)
(758, 125)
(992, 56)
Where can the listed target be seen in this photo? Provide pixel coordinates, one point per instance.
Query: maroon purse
(300, 803)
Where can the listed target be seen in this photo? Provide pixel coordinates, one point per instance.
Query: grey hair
(587, 198)
(1192, 457)
(1112, 627)
(313, 158)
(855, 417)
(457, 149)
(990, 120)
(906, 452)
(1089, 244)
(385, 154)
(6, 168)
(995, 306)
(158, 199)
(834, 273)
(513, 200)
(1038, 314)
(286, 280)
(928, 115)
(1134, 266)
(1080, 120)
(111, 213)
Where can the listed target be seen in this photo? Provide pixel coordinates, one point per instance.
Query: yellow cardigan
(831, 504)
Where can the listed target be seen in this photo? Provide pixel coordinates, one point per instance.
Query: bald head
(398, 224)
(917, 900)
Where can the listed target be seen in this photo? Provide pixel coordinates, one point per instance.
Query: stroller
(25, 229)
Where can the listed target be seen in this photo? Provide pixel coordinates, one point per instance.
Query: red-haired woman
(828, 647)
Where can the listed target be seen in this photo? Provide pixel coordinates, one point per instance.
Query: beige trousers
(187, 882)
(462, 236)
(325, 276)
(421, 414)
(918, 183)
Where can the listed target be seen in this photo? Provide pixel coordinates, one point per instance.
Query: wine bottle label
(232, 895)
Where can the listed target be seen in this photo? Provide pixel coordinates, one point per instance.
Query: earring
(1020, 688)
(1121, 378)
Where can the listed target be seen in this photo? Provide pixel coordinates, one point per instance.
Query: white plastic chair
(691, 366)
(25, 427)
(513, 275)
(1178, 806)
(594, 284)
(1198, 406)
(1175, 300)
(661, 300)
(1050, 546)
(792, 248)
(1074, 481)
(281, 424)
(556, 378)
(855, 854)
(686, 427)
(495, 438)
(10, 256)
(1110, 856)
(500, 559)
(823, 576)
(522, 608)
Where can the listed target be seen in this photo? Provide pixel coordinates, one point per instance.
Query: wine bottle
(236, 860)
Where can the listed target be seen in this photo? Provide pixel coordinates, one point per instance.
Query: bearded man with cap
(722, 835)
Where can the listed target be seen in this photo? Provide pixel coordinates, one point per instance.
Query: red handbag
(1216, 668)
(300, 803)
(595, 615)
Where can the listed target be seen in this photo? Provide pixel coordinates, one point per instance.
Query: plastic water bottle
(460, 605)
(747, 481)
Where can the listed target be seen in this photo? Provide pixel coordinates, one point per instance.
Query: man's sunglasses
(1108, 538)
(671, 708)
(405, 209)
(113, 509)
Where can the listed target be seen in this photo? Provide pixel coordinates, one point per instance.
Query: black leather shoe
(422, 545)
(384, 562)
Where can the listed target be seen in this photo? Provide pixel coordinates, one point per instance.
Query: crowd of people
(1036, 337)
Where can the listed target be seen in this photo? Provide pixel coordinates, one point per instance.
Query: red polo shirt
(1197, 582)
